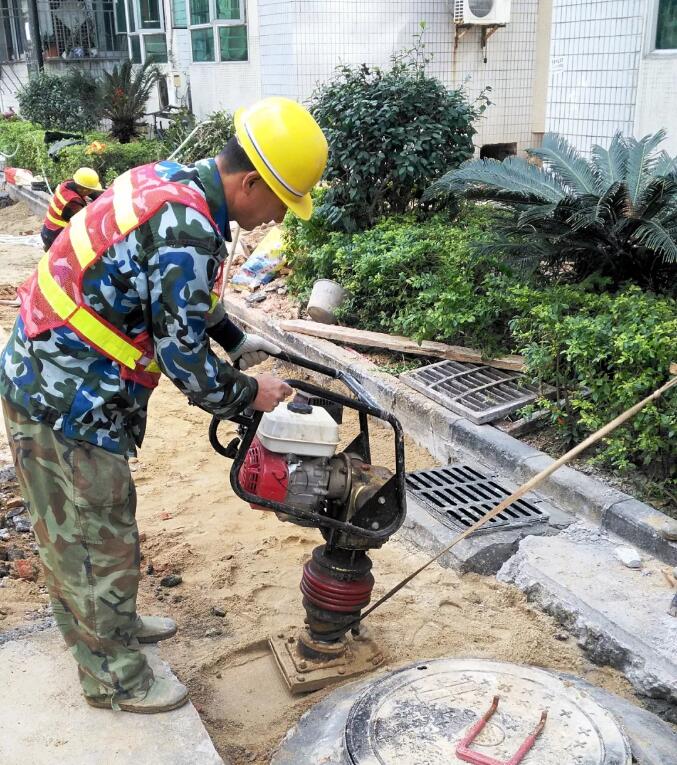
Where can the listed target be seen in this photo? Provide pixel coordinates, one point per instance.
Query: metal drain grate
(459, 495)
(478, 392)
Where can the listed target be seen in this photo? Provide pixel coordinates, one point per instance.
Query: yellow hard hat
(88, 178)
(287, 148)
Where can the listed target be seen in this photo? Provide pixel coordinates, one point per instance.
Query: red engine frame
(264, 473)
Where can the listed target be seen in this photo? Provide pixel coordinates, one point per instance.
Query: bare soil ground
(248, 563)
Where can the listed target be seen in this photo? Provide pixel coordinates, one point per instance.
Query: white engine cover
(312, 435)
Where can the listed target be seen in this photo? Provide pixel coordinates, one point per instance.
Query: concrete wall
(596, 53)
(657, 99)
(302, 41)
(656, 88)
(12, 76)
(228, 85)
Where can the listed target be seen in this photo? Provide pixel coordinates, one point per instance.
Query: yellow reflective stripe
(80, 242)
(99, 334)
(56, 221)
(88, 325)
(61, 199)
(153, 367)
(125, 217)
(214, 298)
(59, 300)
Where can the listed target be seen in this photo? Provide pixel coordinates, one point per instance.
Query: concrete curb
(445, 435)
(37, 201)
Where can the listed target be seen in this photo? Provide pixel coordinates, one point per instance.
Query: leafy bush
(208, 141)
(390, 134)
(604, 353)
(108, 157)
(125, 92)
(614, 215)
(25, 142)
(67, 102)
(179, 128)
(419, 278)
(115, 159)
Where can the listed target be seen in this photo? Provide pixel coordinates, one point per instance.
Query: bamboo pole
(533, 482)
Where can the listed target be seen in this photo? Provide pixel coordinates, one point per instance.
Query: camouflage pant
(82, 505)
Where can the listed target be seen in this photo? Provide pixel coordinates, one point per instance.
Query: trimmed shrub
(67, 102)
(391, 133)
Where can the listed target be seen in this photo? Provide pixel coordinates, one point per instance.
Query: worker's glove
(252, 350)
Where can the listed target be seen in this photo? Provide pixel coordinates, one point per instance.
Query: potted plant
(49, 46)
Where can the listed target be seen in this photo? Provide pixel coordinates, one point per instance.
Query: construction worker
(122, 295)
(69, 198)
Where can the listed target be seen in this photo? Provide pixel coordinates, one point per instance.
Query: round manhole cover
(419, 715)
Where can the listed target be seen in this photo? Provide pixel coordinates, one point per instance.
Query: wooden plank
(398, 343)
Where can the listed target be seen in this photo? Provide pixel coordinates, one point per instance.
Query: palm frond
(638, 166)
(535, 214)
(609, 164)
(659, 195)
(665, 164)
(566, 163)
(655, 237)
(514, 176)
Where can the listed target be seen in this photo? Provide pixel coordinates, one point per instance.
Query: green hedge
(31, 153)
(602, 352)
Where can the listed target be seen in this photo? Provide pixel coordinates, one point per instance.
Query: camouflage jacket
(158, 280)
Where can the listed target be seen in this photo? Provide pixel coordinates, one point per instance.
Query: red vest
(52, 296)
(62, 197)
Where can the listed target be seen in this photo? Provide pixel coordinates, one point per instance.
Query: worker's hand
(272, 391)
(251, 351)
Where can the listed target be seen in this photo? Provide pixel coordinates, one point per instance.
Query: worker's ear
(250, 181)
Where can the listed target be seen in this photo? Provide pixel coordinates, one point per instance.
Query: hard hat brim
(301, 206)
(98, 187)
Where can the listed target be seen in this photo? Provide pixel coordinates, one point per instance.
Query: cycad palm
(614, 214)
(126, 91)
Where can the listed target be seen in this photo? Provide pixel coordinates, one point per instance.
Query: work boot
(151, 629)
(165, 694)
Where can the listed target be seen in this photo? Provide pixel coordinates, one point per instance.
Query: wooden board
(398, 343)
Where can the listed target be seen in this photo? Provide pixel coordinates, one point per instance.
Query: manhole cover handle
(465, 753)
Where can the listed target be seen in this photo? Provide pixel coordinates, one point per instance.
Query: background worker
(70, 197)
(122, 294)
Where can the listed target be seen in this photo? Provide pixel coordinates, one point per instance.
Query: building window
(666, 25)
(179, 14)
(145, 22)
(11, 41)
(202, 43)
(155, 47)
(218, 30)
(233, 43)
(77, 29)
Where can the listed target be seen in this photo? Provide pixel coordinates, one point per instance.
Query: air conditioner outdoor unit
(481, 12)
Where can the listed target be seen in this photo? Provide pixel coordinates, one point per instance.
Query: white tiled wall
(12, 76)
(657, 99)
(230, 84)
(302, 41)
(596, 51)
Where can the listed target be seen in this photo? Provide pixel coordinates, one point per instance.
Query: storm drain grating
(478, 392)
(459, 495)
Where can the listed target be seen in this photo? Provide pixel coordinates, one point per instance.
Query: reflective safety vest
(52, 296)
(60, 200)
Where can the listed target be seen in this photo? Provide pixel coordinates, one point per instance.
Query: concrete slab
(618, 614)
(45, 721)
